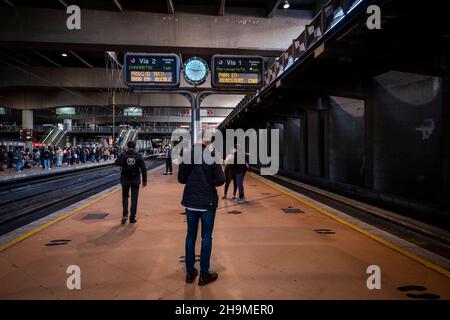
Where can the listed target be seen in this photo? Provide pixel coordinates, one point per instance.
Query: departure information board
(151, 70)
(237, 71)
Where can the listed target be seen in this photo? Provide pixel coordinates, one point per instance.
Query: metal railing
(328, 17)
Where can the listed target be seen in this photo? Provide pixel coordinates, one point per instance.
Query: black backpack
(130, 165)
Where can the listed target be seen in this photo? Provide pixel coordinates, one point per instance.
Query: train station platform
(11, 175)
(259, 251)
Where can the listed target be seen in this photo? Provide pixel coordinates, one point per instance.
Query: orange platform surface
(259, 253)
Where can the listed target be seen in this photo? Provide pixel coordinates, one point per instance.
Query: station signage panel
(151, 70)
(237, 71)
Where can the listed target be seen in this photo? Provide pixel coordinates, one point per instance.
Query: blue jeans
(240, 182)
(207, 219)
(46, 163)
(19, 165)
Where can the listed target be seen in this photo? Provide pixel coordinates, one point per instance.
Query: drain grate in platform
(95, 216)
(412, 287)
(324, 231)
(292, 210)
(57, 242)
(234, 212)
(424, 296)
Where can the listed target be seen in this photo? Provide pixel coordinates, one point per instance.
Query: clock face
(195, 70)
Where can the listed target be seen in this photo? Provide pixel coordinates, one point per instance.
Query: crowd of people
(47, 157)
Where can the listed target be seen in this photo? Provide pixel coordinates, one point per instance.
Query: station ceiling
(216, 7)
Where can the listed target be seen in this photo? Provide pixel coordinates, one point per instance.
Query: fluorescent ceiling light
(286, 4)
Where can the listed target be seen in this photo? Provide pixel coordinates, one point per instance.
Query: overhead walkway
(259, 251)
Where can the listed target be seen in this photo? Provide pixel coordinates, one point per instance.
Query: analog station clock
(195, 71)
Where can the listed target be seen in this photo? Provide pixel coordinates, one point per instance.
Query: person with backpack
(133, 166)
(200, 200)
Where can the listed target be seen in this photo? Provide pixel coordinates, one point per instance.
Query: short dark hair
(131, 144)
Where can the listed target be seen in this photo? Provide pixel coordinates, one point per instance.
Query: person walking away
(133, 166)
(230, 175)
(240, 169)
(200, 200)
(168, 152)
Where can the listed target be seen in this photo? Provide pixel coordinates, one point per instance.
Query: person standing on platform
(168, 152)
(133, 166)
(18, 157)
(200, 200)
(10, 158)
(46, 158)
(240, 169)
(230, 175)
(2, 158)
(59, 156)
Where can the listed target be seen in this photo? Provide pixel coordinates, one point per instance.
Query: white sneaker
(240, 201)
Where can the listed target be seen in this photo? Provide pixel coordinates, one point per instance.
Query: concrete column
(292, 141)
(314, 145)
(368, 144)
(27, 123)
(446, 140)
(27, 119)
(68, 124)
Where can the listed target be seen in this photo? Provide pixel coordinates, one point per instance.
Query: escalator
(55, 137)
(130, 134)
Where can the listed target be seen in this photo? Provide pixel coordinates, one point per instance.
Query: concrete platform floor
(262, 253)
(11, 174)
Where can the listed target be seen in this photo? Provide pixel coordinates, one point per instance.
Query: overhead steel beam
(170, 7)
(141, 31)
(46, 58)
(221, 8)
(271, 7)
(9, 3)
(42, 99)
(64, 3)
(81, 59)
(118, 5)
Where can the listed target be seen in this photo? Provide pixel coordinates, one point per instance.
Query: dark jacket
(200, 182)
(240, 167)
(132, 180)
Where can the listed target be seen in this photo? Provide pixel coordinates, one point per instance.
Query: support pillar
(27, 124)
(446, 140)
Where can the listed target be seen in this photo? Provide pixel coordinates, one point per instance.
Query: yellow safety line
(50, 223)
(366, 233)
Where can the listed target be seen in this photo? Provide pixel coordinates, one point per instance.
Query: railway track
(28, 201)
